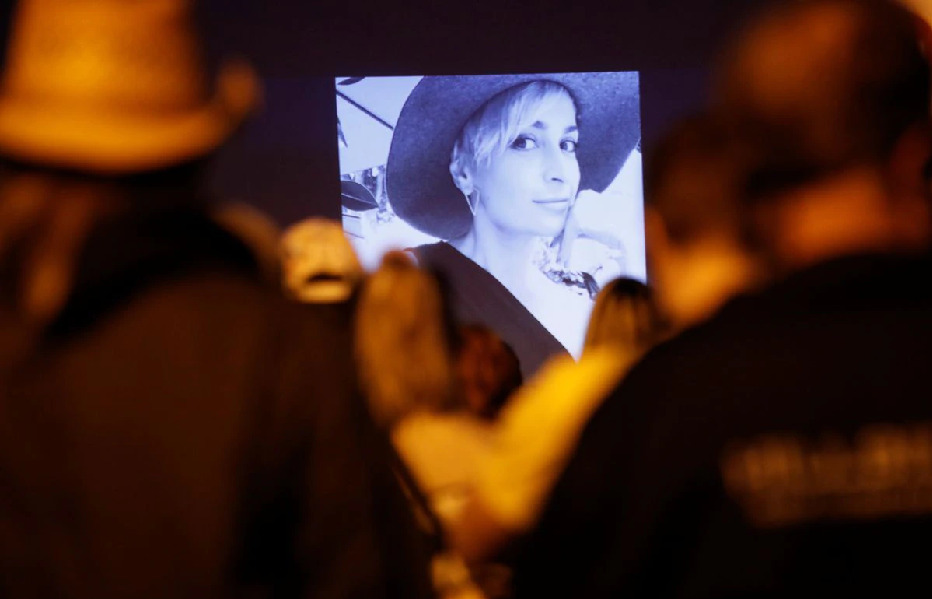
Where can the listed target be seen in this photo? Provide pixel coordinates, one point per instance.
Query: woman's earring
(469, 203)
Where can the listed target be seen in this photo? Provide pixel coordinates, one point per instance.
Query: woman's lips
(555, 204)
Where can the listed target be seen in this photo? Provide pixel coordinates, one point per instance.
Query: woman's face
(529, 187)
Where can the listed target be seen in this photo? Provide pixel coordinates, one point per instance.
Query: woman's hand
(587, 244)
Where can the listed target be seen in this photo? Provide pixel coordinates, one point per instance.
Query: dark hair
(693, 178)
(489, 368)
(819, 86)
(46, 215)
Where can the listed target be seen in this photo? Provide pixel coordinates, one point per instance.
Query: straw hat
(111, 87)
(418, 179)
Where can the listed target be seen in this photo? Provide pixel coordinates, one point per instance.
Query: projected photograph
(523, 191)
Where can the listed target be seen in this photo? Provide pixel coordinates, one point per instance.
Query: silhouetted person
(784, 446)
(537, 430)
(170, 426)
(700, 249)
(405, 355)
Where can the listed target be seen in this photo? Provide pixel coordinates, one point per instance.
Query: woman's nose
(561, 167)
(556, 165)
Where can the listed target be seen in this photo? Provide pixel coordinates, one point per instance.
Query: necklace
(545, 258)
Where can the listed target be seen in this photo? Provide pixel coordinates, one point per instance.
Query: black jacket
(182, 431)
(783, 448)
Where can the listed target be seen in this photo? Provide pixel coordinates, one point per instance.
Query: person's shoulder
(429, 429)
(561, 372)
(236, 307)
(788, 322)
(698, 340)
(230, 293)
(691, 362)
(430, 254)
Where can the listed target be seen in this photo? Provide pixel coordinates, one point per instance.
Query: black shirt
(180, 430)
(783, 447)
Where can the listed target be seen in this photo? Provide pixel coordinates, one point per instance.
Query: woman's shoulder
(439, 428)
(459, 270)
(440, 252)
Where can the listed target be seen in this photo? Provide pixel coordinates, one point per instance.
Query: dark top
(183, 431)
(478, 297)
(784, 448)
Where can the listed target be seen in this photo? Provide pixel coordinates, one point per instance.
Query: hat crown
(105, 55)
(115, 86)
(420, 188)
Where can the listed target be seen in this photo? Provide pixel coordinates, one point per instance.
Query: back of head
(699, 236)
(105, 107)
(693, 180)
(623, 317)
(403, 345)
(47, 215)
(489, 370)
(823, 85)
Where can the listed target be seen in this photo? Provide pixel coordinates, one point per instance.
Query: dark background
(285, 160)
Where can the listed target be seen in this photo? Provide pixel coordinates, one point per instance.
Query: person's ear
(462, 178)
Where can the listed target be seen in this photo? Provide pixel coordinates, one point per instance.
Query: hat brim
(419, 185)
(102, 143)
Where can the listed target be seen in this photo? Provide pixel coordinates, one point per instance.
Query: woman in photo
(494, 166)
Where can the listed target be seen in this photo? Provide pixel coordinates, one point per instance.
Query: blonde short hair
(491, 128)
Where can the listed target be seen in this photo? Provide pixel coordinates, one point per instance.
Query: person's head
(825, 90)
(693, 178)
(488, 369)
(515, 159)
(520, 146)
(105, 106)
(623, 317)
(699, 249)
(115, 88)
(319, 265)
(47, 215)
(404, 350)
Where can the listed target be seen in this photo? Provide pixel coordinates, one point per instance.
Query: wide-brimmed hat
(113, 87)
(419, 185)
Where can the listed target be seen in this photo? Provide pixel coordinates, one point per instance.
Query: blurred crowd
(195, 404)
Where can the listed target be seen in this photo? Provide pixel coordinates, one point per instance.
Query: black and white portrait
(524, 191)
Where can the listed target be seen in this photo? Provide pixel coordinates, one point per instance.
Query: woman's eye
(524, 142)
(569, 145)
